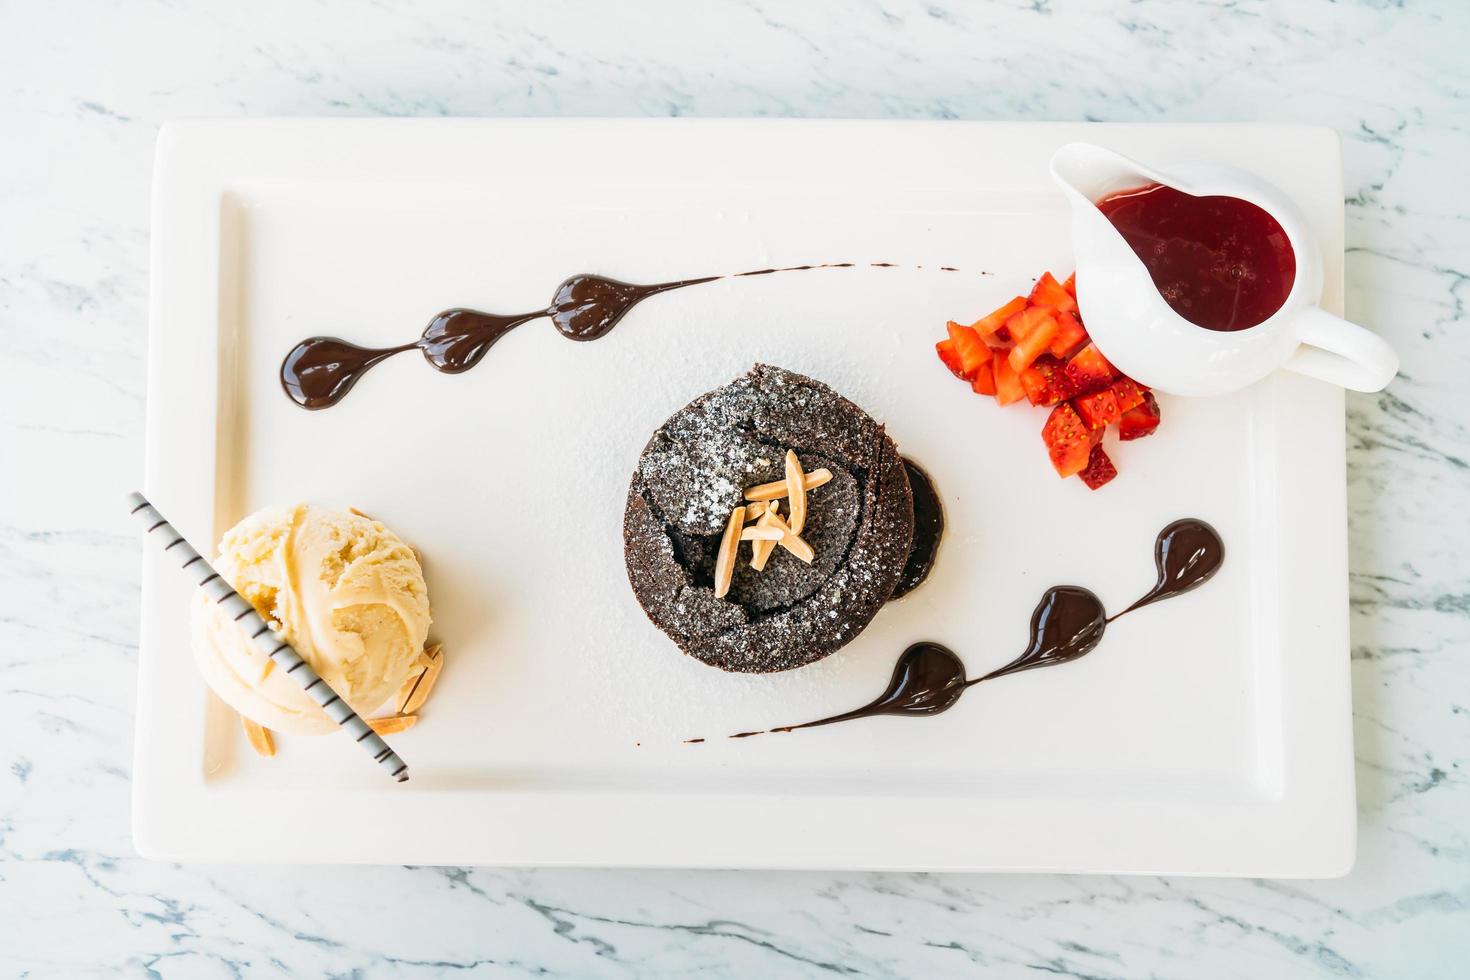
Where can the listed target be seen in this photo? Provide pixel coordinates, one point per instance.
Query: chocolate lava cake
(693, 473)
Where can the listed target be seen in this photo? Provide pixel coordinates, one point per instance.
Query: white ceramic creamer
(1142, 335)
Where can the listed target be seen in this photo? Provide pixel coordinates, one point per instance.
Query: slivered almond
(755, 510)
(761, 550)
(792, 542)
(393, 724)
(415, 690)
(777, 489)
(762, 534)
(797, 546)
(725, 560)
(354, 510)
(259, 738)
(795, 492)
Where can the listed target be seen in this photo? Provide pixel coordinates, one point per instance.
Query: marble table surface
(83, 88)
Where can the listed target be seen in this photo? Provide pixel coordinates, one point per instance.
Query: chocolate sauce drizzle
(1068, 623)
(320, 371)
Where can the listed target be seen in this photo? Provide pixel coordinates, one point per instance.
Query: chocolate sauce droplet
(456, 340)
(928, 679)
(587, 307)
(320, 371)
(1187, 554)
(928, 530)
(1068, 623)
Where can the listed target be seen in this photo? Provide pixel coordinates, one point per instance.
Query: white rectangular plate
(1207, 735)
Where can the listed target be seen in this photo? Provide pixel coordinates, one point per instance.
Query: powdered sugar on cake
(695, 470)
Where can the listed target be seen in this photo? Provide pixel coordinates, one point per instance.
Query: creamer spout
(1093, 172)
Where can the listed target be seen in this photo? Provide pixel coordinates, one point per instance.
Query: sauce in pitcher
(1222, 263)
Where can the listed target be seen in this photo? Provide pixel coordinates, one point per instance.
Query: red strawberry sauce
(1222, 263)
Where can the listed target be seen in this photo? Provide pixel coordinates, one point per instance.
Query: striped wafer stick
(266, 640)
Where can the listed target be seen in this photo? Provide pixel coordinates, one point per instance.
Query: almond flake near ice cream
(415, 691)
(343, 589)
(393, 724)
(259, 738)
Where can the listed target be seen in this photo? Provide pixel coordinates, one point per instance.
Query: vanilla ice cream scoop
(344, 590)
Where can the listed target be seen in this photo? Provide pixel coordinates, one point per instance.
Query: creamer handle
(1342, 353)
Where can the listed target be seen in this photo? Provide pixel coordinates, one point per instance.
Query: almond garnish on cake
(768, 530)
(845, 518)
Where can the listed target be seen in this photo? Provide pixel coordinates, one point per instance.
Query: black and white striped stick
(266, 640)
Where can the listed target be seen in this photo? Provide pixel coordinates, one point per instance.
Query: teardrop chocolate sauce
(320, 371)
(1187, 553)
(1068, 623)
(928, 679)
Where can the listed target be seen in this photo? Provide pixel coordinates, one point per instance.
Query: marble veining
(82, 91)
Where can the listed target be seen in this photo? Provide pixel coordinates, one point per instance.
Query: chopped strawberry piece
(1067, 440)
(1090, 371)
(1046, 382)
(945, 349)
(1027, 320)
(1040, 331)
(1102, 408)
(1099, 409)
(1128, 393)
(1007, 382)
(1036, 347)
(1140, 421)
(1049, 292)
(1070, 335)
(968, 347)
(1099, 469)
(984, 381)
(993, 327)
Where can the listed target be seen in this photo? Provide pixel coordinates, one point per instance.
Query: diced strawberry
(968, 346)
(1040, 332)
(1007, 382)
(1099, 469)
(1049, 292)
(1067, 440)
(1027, 320)
(1099, 409)
(1070, 335)
(1128, 393)
(945, 349)
(1140, 421)
(1102, 408)
(1046, 382)
(1090, 371)
(983, 383)
(993, 326)
(1071, 285)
